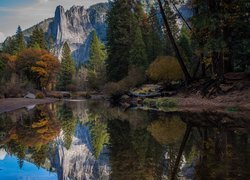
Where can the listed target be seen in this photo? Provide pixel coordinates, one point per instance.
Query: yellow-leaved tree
(165, 69)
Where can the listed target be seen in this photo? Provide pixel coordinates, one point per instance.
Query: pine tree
(184, 42)
(96, 66)
(154, 39)
(97, 53)
(123, 38)
(118, 40)
(20, 42)
(37, 39)
(137, 53)
(68, 68)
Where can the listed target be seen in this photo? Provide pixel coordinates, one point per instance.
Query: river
(92, 140)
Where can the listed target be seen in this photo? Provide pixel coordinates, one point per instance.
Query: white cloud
(2, 37)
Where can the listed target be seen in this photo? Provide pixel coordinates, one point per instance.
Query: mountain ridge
(74, 26)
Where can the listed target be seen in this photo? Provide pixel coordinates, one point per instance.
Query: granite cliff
(75, 27)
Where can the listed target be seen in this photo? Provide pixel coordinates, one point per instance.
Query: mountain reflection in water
(92, 140)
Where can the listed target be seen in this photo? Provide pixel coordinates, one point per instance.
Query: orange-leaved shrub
(165, 69)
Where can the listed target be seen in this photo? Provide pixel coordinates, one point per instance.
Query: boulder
(30, 96)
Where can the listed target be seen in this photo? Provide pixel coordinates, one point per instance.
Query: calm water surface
(92, 140)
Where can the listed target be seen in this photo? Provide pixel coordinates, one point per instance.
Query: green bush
(149, 102)
(164, 104)
(40, 95)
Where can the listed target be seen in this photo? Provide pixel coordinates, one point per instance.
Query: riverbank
(229, 102)
(11, 104)
(234, 101)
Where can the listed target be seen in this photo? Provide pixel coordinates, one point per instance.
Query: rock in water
(30, 96)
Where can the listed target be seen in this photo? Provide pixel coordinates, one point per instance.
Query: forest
(155, 44)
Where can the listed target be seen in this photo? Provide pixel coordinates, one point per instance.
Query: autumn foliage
(46, 69)
(165, 69)
(39, 66)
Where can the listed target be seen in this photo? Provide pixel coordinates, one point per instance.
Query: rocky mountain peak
(75, 26)
(59, 11)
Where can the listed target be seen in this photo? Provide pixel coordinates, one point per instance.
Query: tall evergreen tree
(125, 41)
(137, 53)
(68, 68)
(37, 39)
(154, 37)
(118, 33)
(20, 42)
(184, 42)
(96, 66)
(98, 53)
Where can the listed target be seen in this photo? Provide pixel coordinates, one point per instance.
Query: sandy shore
(11, 104)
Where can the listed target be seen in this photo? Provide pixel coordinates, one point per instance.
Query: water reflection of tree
(39, 129)
(68, 124)
(17, 149)
(30, 133)
(224, 155)
(99, 134)
(169, 132)
(218, 146)
(40, 154)
(134, 154)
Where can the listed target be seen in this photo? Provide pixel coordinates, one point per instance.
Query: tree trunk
(177, 52)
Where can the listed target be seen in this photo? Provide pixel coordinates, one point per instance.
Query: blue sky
(30, 12)
(11, 171)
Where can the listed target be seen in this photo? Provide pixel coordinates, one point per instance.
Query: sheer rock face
(74, 26)
(79, 162)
